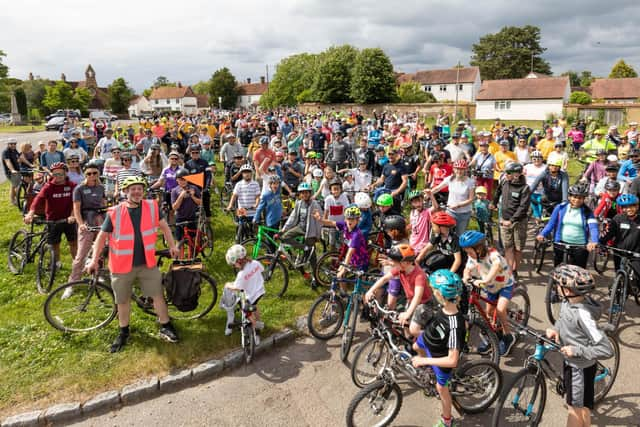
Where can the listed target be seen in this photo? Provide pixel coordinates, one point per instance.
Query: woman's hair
(86, 168)
(24, 146)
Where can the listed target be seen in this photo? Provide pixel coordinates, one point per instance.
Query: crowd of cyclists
(428, 189)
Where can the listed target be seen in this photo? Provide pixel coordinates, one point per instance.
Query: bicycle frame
(475, 297)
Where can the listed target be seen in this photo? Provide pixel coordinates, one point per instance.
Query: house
(174, 98)
(531, 98)
(100, 95)
(444, 83)
(139, 106)
(616, 90)
(250, 93)
(202, 101)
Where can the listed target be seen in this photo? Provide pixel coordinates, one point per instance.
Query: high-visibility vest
(121, 241)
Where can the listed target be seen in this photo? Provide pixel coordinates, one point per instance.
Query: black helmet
(578, 190)
(513, 167)
(182, 172)
(394, 222)
(335, 181)
(612, 185)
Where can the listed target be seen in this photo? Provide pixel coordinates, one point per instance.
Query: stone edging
(144, 389)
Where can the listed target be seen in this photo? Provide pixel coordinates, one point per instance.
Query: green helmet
(415, 193)
(384, 200)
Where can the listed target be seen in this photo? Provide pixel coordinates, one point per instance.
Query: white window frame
(502, 105)
(427, 88)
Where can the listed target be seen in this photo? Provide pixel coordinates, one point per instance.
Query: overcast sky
(188, 40)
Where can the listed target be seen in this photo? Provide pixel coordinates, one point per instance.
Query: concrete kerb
(145, 389)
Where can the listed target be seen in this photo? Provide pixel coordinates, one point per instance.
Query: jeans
(462, 220)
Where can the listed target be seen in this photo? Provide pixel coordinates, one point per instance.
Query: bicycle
(540, 248)
(474, 386)
(91, 304)
(225, 194)
(247, 330)
(524, 397)
(25, 189)
(329, 310)
(485, 341)
(602, 255)
(22, 251)
(625, 283)
(198, 240)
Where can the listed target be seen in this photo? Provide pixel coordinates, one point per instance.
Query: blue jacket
(271, 203)
(554, 224)
(366, 222)
(627, 171)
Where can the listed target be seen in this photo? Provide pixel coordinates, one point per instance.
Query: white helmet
(246, 167)
(362, 200)
(317, 172)
(234, 253)
(537, 154)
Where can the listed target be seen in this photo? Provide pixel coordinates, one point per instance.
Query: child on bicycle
(363, 201)
(334, 206)
(441, 343)
(581, 340)
(248, 280)
(481, 209)
(420, 220)
(444, 244)
(624, 229)
(271, 205)
(490, 271)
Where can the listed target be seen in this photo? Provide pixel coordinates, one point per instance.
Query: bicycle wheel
(18, 253)
(21, 196)
(206, 301)
(369, 361)
(275, 274)
(206, 241)
(46, 271)
(519, 308)
(376, 405)
(601, 260)
(482, 343)
(88, 306)
(250, 244)
(248, 343)
(522, 401)
(325, 316)
(618, 298)
(326, 268)
(225, 197)
(475, 386)
(606, 372)
(350, 327)
(552, 302)
(539, 250)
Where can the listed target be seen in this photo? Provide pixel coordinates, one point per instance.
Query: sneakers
(119, 343)
(484, 347)
(256, 339)
(506, 344)
(67, 293)
(228, 331)
(168, 332)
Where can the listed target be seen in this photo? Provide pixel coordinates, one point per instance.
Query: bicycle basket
(182, 284)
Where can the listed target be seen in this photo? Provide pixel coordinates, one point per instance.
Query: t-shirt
(169, 176)
(420, 228)
(12, 156)
(417, 278)
(362, 179)
(355, 240)
(448, 245)
(57, 200)
(531, 172)
(250, 280)
(188, 209)
(336, 207)
(392, 175)
(444, 332)
(572, 230)
(91, 200)
(480, 269)
(247, 192)
(261, 154)
(439, 173)
(459, 192)
(104, 147)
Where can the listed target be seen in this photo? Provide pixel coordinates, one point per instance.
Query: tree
(147, 92)
(294, 77)
(373, 80)
(586, 78)
(162, 81)
(35, 91)
(201, 88)
(333, 76)
(574, 79)
(508, 53)
(62, 96)
(622, 70)
(4, 69)
(119, 96)
(223, 84)
(579, 97)
(21, 101)
(5, 97)
(412, 92)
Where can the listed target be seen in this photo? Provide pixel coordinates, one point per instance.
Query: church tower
(90, 77)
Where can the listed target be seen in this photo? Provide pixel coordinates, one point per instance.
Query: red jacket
(56, 199)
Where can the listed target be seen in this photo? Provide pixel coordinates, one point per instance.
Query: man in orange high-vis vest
(132, 230)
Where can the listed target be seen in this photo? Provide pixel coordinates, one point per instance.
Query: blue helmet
(471, 238)
(627, 200)
(264, 140)
(304, 186)
(447, 283)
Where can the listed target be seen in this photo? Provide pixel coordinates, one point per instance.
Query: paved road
(305, 384)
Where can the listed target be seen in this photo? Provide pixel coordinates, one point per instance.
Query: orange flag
(197, 179)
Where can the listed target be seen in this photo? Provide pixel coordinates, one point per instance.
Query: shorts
(514, 236)
(579, 384)
(55, 233)
(506, 292)
(422, 315)
(443, 375)
(257, 300)
(15, 179)
(149, 279)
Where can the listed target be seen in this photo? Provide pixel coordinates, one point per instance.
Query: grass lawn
(22, 129)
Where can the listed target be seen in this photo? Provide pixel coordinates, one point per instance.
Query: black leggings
(575, 256)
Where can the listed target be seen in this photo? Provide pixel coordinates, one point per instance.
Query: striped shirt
(246, 193)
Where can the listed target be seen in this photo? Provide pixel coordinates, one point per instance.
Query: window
(459, 87)
(502, 105)
(168, 101)
(443, 88)
(427, 88)
(157, 102)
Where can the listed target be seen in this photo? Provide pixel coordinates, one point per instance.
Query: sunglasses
(115, 152)
(91, 173)
(126, 160)
(74, 161)
(57, 174)
(173, 158)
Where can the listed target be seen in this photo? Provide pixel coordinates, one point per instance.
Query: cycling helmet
(402, 252)
(460, 164)
(182, 172)
(379, 147)
(481, 189)
(634, 152)
(317, 173)
(195, 148)
(612, 185)
(471, 238)
(264, 140)
(600, 151)
(394, 222)
(363, 201)
(442, 218)
(246, 168)
(612, 167)
(352, 212)
(92, 164)
(235, 253)
(627, 200)
(555, 162)
(384, 200)
(318, 156)
(573, 277)
(133, 180)
(335, 182)
(310, 154)
(578, 190)
(413, 194)
(536, 155)
(304, 186)
(447, 283)
(155, 147)
(513, 167)
(59, 165)
(274, 178)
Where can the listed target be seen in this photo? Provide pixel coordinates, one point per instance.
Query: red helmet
(444, 219)
(460, 164)
(58, 165)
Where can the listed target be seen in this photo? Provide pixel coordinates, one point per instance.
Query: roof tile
(531, 88)
(466, 75)
(616, 88)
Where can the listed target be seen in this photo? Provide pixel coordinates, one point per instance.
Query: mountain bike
(524, 398)
(625, 283)
(247, 330)
(474, 386)
(198, 240)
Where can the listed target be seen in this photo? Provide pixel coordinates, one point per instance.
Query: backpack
(182, 285)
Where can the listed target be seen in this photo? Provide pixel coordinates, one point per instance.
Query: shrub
(579, 97)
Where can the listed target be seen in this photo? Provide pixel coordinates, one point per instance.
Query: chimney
(248, 80)
(63, 77)
(262, 79)
(179, 84)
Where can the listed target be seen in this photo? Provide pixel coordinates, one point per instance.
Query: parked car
(5, 118)
(64, 113)
(102, 115)
(55, 123)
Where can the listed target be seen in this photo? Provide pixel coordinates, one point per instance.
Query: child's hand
(568, 350)
(317, 216)
(552, 334)
(418, 361)
(404, 317)
(367, 296)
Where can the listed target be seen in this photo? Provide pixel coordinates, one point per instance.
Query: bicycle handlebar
(524, 330)
(622, 252)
